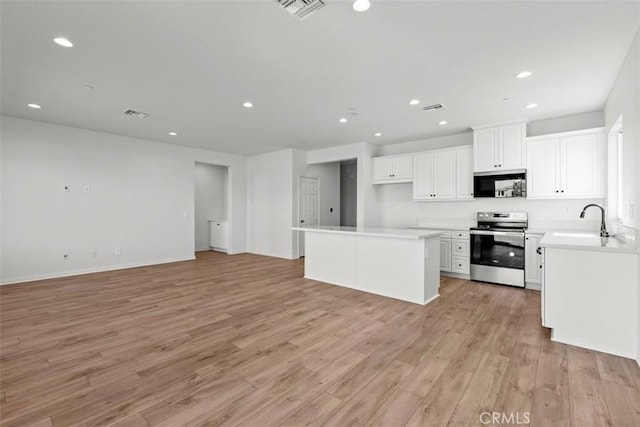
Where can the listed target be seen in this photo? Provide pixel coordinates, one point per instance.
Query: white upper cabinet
(543, 168)
(435, 177)
(464, 173)
(392, 169)
(566, 165)
(443, 175)
(499, 147)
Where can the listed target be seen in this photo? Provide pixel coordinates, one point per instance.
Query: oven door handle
(497, 233)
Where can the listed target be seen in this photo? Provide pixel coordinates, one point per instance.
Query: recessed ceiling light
(532, 105)
(34, 106)
(63, 41)
(248, 104)
(523, 74)
(343, 120)
(377, 134)
(361, 5)
(442, 122)
(414, 102)
(173, 133)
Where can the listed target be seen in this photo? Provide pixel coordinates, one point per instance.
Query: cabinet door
(543, 168)
(382, 169)
(402, 168)
(533, 260)
(485, 145)
(444, 175)
(464, 173)
(218, 235)
(423, 177)
(445, 255)
(511, 147)
(580, 167)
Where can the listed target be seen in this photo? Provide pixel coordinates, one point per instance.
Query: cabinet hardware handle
(557, 191)
(495, 166)
(527, 238)
(499, 166)
(540, 266)
(539, 251)
(562, 191)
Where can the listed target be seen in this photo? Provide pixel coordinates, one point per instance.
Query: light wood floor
(245, 340)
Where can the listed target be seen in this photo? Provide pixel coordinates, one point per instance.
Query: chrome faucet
(603, 226)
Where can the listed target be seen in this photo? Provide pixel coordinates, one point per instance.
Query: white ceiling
(191, 65)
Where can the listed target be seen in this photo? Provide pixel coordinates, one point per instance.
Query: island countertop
(398, 233)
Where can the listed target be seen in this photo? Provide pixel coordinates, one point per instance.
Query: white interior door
(307, 206)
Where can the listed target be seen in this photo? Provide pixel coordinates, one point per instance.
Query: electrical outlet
(94, 253)
(117, 251)
(86, 188)
(65, 257)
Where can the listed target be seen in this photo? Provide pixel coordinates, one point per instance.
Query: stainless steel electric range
(497, 248)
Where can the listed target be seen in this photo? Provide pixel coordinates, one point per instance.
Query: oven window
(497, 251)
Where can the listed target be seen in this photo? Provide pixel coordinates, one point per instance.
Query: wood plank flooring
(245, 340)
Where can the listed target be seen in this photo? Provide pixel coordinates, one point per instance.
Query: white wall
(397, 209)
(270, 204)
(624, 100)
(141, 200)
(427, 144)
(567, 123)
(210, 200)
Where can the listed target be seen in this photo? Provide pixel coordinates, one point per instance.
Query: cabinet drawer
(460, 247)
(460, 265)
(458, 234)
(446, 234)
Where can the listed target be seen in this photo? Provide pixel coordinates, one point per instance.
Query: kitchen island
(397, 263)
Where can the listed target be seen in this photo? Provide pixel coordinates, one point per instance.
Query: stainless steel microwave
(511, 183)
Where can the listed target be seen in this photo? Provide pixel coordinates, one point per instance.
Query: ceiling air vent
(302, 9)
(434, 107)
(136, 114)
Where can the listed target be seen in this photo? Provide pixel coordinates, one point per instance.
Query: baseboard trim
(38, 277)
(533, 286)
(432, 299)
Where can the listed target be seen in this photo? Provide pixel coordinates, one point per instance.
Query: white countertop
(587, 241)
(404, 233)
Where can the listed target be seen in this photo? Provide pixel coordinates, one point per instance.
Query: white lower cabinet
(454, 252)
(219, 235)
(532, 261)
(590, 299)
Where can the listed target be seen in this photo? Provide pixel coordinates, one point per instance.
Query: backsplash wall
(397, 209)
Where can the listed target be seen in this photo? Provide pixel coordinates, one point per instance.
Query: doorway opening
(333, 200)
(211, 207)
(349, 193)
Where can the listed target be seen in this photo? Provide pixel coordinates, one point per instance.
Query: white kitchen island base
(401, 264)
